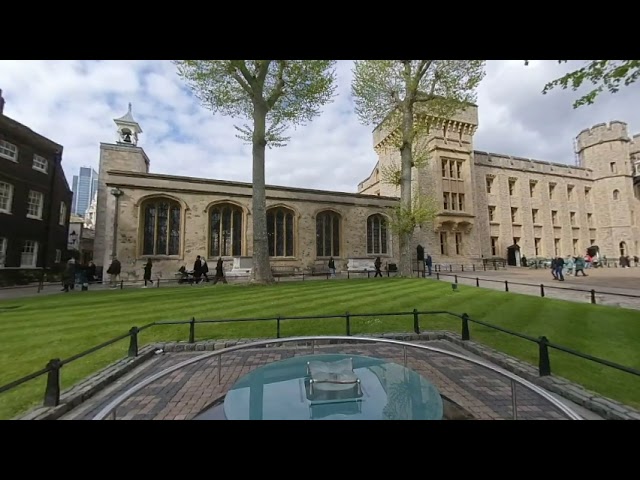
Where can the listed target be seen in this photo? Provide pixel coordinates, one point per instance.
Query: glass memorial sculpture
(329, 387)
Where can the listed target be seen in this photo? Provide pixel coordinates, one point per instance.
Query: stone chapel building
(489, 202)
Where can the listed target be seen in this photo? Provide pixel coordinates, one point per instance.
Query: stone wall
(197, 196)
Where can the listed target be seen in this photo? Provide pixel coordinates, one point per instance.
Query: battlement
(634, 146)
(601, 133)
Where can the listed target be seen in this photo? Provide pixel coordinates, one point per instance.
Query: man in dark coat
(219, 272)
(114, 272)
(197, 269)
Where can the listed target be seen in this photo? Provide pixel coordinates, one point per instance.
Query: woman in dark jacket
(147, 272)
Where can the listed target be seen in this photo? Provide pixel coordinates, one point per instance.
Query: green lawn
(61, 325)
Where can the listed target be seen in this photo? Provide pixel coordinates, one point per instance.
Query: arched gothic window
(377, 235)
(616, 194)
(328, 234)
(280, 232)
(225, 230)
(161, 227)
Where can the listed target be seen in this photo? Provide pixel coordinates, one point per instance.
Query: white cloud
(74, 102)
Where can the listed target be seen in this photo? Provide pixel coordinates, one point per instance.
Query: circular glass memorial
(331, 387)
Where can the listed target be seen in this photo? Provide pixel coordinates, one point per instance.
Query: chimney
(1, 103)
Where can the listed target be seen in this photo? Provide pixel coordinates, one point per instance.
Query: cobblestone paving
(605, 281)
(183, 394)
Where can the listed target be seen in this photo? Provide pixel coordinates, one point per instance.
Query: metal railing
(53, 367)
(541, 286)
(111, 407)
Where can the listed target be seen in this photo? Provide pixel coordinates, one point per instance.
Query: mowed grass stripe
(62, 325)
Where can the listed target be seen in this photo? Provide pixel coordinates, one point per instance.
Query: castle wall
(197, 195)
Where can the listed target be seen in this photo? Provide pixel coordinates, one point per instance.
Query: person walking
(69, 275)
(580, 265)
(205, 269)
(114, 272)
(428, 263)
(377, 264)
(197, 270)
(219, 272)
(332, 267)
(147, 272)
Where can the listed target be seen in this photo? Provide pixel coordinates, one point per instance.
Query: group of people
(200, 272)
(570, 266)
(76, 273)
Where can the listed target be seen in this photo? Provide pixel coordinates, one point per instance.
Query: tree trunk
(406, 160)
(261, 272)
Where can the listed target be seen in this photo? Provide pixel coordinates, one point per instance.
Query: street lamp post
(117, 193)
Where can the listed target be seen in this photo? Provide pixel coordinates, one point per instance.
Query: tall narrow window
(494, 246)
(6, 197)
(3, 251)
(443, 243)
(225, 230)
(377, 237)
(280, 232)
(458, 244)
(328, 234)
(161, 230)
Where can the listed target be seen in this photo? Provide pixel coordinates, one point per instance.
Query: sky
(74, 104)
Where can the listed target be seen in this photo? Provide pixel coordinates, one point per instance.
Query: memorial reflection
(375, 390)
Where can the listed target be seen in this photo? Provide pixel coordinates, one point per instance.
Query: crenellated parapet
(464, 122)
(614, 131)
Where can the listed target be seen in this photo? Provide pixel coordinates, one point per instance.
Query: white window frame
(9, 151)
(34, 262)
(10, 201)
(3, 251)
(63, 214)
(58, 255)
(40, 205)
(40, 164)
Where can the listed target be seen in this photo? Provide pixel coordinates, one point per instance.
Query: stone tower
(606, 150)
(448, 144)
(124, 155)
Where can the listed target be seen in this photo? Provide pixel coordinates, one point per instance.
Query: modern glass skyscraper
(85, 185)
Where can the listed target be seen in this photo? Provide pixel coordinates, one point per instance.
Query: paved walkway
(605, 281)
(185, 393)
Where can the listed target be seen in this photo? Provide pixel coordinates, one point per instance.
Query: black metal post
(348, 275)
(192, 330)
(416, 321)
(465, 327)
(133, 342)
(462, 267)
(121, 284)
(593, 297)
(348, 322)
(477, 282)
(544, 364)
(368, 274)
(278, 326)
(52, 392)
(455, 278)
(437, 275)
(506, 286)
(541, 290)
(473, 267)
(450, 268)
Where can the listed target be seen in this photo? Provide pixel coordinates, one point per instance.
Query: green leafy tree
(602, 74)
(403, 97)
(272, 95)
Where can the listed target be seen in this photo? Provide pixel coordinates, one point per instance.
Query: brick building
(34, 198)
(489, 202)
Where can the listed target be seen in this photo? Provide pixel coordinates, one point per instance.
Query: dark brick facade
(15, 226)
